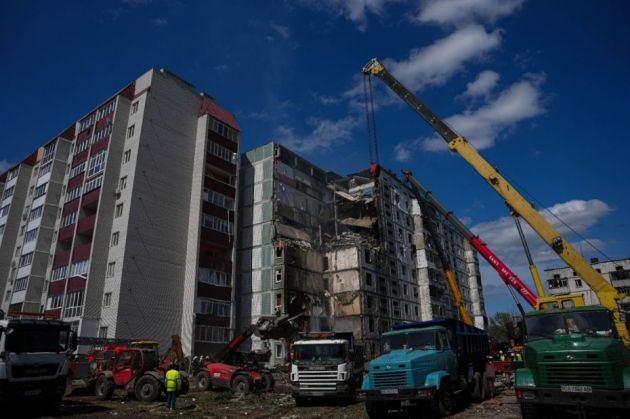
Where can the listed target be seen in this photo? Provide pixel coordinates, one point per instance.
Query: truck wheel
(241, 384)
(376, 410)
(68, 390)
(530, 411)
(104, 388)
(147, 389)
(442, 405)
(203, 380)
(268, 381)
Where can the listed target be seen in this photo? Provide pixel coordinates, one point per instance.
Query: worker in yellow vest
(173, 383)
(501, 356)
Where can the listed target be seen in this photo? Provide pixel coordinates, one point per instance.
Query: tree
(501, 328)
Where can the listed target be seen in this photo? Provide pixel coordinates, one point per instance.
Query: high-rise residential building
(351, 253)
(565, 280)
(142, 244)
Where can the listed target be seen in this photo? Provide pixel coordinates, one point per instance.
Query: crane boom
(509, 277)
(607, 294)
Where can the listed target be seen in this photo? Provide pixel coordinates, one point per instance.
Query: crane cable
(370, 119)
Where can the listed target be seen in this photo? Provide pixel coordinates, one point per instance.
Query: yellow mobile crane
(607, 294)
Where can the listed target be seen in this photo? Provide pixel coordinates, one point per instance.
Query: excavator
(576, 356)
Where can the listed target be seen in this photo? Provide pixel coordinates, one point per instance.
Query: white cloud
(353, 10)
(482, 85)
(282, 31)
(456, 12)
(159, 21)
(436, 63)
(482, 126)
(5, 165)
(502, 237)
(325, 99)
(326, 134)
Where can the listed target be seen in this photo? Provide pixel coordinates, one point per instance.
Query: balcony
(56, 287)
(76, 284)
(81, 252)
(61, 258)
(90, 199)
(66, 233)
(86, 225)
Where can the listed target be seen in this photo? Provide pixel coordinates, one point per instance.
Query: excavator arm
(607, 294)
(509, 277)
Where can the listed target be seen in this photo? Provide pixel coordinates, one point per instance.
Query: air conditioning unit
(117, 193)
(24, 216)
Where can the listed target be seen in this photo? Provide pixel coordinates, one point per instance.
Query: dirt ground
(277, 405)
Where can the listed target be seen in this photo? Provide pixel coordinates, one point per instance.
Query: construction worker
(518, 356)
(173, 381)
(501, 356)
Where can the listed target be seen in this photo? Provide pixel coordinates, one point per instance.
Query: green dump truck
(574, 361)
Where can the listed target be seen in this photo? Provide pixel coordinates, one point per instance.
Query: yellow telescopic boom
(607, 294)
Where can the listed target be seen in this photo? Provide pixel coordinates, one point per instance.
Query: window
(105, 110)
(79, 268)
(578, 283)
(54, 302)
(415, 292)
(218, 199)
(107, 299)
(212, 334)
(216, 223)
(134, 107)
(405, 289)
(221, 152)
(26, 259)
(214, 307)
(49, 152)
(40, 191)
(123, 183)
(415, 310)
(111, 269)
(74, 304)
(119, 210)
(223, 130)
(82, 146)
(45, 169)
(126, 156)
(73, 194)
(370, 301)
(92, 184)
(2, 229)
(278, 275)
(406, 309)
(86, 123)
(279, 350)
(96, 164)
(79, 168)
(115, 237)
(58, 273)
(20, 284)
(102, 332)
(368, 278)
(371, 324)
(30, 235)
(17, 250)
(8, 193)
(36, 213)
(103, 132)
(12, 174)
(69, 219)
(4, 210)
(130, 131)
(212, 277)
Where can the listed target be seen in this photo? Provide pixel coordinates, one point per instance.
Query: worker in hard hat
(501, 356)
(173, 383)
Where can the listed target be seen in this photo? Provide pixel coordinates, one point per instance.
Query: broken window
(405, 289)
(368, 278)
(368, 256)
(278, 252)
(415, 309)
(415, 291)
(406, 309)
(278, 300)
(384, 306)
(371, 325)
(278, 276)
(370, 301)
(326, 265)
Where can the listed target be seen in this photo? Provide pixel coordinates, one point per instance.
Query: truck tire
(442, 405)
(104, 388)
(241, 384)
(376, 410)
(147, 389)
(268, 383)
(203, 380)
(530, 411)
(68, 391)
(488, 381)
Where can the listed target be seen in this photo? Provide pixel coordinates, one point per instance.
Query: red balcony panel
(216, 237)
(220, 187)
(71, 207)
(82, 252)
(212, 291)
(215, 263)
(98, 146)
(86, 224)
(209, 107)
(68, 134)
(75, 181)
(221, 164)
(104, 121)
(84, 135)
(218, 211)
(56, 313)
(66, 232)
(229, 144)
(81, 157)
(210, 320)
(75, 284)
(56, 288)
(286, 180)
(91, 197)
(61, 258)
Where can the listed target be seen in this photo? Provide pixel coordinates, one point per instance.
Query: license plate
(389, 391)
(32, 392)
(576, 389)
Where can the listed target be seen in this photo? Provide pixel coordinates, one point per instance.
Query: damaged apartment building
(351, 253)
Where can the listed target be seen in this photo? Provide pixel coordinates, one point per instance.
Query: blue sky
(541, 87)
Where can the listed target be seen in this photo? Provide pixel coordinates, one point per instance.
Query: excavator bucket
(269, 327)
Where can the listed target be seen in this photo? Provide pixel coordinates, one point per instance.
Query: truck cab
(34, 360)
(574, 359)
(325, 365)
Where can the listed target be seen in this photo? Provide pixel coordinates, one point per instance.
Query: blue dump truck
(429, 365)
